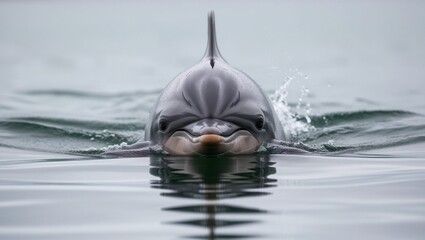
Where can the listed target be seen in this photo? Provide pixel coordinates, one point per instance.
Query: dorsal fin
(212, 53)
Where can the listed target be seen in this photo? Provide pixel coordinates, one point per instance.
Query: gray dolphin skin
(211, 109)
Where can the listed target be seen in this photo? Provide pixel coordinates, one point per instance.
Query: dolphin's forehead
(211, 91)
(214, 92)
(211, 84)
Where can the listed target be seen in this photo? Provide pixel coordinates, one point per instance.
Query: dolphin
(212, 108)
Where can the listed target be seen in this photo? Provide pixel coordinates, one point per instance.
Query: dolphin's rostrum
(212, 108)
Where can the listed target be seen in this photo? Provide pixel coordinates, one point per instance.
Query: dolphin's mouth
(183, 143)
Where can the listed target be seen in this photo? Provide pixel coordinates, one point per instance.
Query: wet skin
(212, 108)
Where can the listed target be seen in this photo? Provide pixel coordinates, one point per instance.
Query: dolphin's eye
(162, 125)
(259, 124)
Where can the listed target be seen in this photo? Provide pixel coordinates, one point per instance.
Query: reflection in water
(214, 178)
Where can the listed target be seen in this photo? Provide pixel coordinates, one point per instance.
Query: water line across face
(211, 137)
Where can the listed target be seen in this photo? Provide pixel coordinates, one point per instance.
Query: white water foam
(288, 118)
(113, 147)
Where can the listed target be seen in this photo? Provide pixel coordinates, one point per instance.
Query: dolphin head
(212, 108)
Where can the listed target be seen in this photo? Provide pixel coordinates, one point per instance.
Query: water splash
(304, 108)
(291, 121)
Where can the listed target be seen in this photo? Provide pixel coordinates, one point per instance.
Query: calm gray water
(78, 78)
